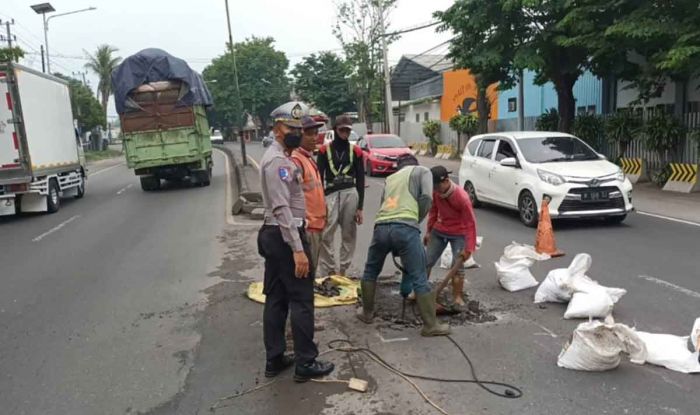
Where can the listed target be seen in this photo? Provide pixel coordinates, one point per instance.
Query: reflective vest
(399, 203)
(331, 163)
(313, 191)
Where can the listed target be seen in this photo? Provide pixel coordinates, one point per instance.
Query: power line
(412, 29)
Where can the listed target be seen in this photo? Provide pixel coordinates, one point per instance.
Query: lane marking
(229, 197)
(670, 285)
(547, 332)
(105, 170)
(55, 229)
(124, 189)
(686, 222)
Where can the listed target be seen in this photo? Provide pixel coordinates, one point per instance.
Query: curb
(245, 201)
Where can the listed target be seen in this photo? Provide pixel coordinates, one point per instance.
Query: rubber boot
(458, 290)
(426, 308)
(366, 315)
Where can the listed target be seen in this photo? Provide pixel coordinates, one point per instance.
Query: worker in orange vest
(313, 188)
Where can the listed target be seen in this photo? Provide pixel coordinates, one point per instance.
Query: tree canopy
(86, 108)
(323, 80)
(261, 77)
(102, 63)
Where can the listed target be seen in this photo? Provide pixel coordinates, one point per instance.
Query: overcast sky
(196, 30)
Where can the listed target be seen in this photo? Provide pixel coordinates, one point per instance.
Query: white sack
(446, 257)
(597, 346)
(557, 287)
(593, 303)
(515, 276)
(695, 334)
(670, 352)
(516, 252)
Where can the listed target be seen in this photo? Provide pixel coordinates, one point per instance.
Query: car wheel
(150, 183)
(471, 191)
(53, 199)
(80, 191)
(527, 207)
(615, 220)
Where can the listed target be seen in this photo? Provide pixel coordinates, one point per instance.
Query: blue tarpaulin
(154, 65)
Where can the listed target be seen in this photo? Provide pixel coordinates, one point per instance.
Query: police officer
(282, 242)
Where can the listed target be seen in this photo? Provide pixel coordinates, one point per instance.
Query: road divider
(634, 169)
(683, 179)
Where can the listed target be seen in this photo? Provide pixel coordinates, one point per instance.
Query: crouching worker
(406, 200)
(451, 221)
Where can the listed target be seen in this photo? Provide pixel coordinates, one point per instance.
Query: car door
(481, 168)
(504, 180)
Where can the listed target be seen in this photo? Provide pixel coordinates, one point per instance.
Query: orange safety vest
(313, 191)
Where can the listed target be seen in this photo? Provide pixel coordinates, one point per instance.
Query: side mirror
(509, 162)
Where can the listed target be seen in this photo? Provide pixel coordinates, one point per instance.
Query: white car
(217, 137)
(518, 169)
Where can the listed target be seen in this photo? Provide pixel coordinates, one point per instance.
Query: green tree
(589, 128)
(11, 54)
(621, 128)
(359, 29)
(663, 135)
(431, 129)
(549, 121)
(261, 77)
(464, 124)
(488, 54)
(324, 81)
(86, 108)
(102, 63)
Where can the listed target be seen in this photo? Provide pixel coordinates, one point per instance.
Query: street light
(44, 8)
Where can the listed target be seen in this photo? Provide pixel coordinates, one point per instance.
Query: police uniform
(282, 234)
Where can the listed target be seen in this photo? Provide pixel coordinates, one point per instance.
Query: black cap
(440, 173)
(308, 123)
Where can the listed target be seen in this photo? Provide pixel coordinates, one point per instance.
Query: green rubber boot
(368, 288)
(426, 308)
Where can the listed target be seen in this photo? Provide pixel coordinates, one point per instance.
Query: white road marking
(229, 197)
(105, 170)
(672, 286)
(686, 222)
(548, 332)
(124, 189)
(398, 339)
(55, 229)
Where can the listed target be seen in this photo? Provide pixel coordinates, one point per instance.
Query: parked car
(382, 152)
(217, 137)
(516, 170)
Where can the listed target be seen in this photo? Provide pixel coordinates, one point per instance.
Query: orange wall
(459, 86)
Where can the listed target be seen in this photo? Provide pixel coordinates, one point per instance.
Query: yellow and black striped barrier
(633, 168)
(683, 178)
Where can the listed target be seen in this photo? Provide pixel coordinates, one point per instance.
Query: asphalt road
(653, 259)
(98, 302)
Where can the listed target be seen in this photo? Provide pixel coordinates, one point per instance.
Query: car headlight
(380, 157)
(620, 176)
(551, 178)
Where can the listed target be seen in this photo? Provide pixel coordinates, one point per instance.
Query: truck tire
(80, 190)
(53, 198)
(150, 183)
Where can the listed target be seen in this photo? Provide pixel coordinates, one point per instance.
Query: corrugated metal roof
(437, 63)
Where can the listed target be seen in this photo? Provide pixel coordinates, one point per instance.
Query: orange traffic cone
(545, 243)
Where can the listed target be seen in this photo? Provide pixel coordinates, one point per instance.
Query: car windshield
(555, 149)
(387, 141)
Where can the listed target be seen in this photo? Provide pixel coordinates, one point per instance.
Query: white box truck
(41, 159)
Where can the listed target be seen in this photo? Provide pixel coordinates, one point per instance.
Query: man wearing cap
(450, 221)
(342, 169)
(405, 202)
(282, 241)
(313, 188)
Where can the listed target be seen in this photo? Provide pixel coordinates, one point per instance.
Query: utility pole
(244, 156)
(387, 73)
(521, 101)
(43, 62)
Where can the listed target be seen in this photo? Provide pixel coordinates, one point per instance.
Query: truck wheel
(150, 183)
(80, 190)
(53, 199)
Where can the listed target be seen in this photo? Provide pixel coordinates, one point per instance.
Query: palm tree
(102, 63)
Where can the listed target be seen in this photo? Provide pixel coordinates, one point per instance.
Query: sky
(195, 30)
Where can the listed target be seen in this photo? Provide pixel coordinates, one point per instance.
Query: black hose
(511, 392)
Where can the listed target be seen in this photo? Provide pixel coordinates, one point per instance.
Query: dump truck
(41, 159)
(162, 104)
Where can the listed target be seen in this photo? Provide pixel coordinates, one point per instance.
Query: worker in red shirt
(450, 221)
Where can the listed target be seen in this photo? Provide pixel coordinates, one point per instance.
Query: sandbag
(593, 303)
(670, 351)
(597, 346)
(557, 287)
(515, 276)
(516, 252)
(446, 257)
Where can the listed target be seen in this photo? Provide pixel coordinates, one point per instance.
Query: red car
(382, 152)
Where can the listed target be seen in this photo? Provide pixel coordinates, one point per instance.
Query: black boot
(277, 365)
(314, 369)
